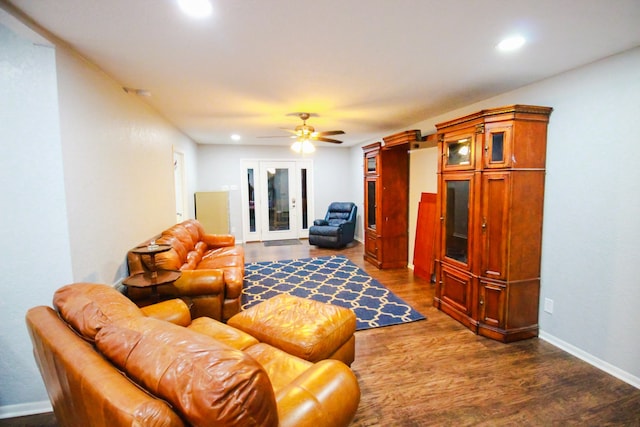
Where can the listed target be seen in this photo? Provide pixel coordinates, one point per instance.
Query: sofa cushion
(88, 307)
(177, 245)
(207, 382)
(178, 231)
(230, 336)
(230, 256)
(194, 229)
(326, 230)
(281, 367)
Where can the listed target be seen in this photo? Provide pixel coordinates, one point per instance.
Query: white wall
(219, 167)
(87, 173)
(118, 160)
(591, 229)
(33, 219)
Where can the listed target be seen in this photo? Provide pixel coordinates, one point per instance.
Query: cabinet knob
(484, 224)
(481, 302)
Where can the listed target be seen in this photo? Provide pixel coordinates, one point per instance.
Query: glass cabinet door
(459, 151)
(370, 200)
(371, 164)
(456, 204)
(497, 146)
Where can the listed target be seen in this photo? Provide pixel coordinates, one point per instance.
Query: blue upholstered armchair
(337, 228)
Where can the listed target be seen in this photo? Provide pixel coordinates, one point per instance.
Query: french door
(277, 199)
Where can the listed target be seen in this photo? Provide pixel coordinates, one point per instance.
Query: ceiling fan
(305, 132)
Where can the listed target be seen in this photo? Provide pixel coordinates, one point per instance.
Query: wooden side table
(155, 276)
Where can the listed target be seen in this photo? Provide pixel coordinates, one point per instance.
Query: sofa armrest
(348, 228)
(85, 388)
(175, 311)
(219, 240)
(320, 222)
(326, 394)
(206, 281)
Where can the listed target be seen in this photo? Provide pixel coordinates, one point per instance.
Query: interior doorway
(277, 199)
(179, 184)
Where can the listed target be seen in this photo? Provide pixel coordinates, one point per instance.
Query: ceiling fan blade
(289, 130)
(319, 138)
(330, 132)
(276, 136)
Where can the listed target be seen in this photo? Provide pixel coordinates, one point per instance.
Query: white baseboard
(591, 359)
(24, 409)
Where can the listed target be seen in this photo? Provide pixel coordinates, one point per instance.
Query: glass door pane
(278, 198)
(251, 185)
(303, 197)
(279, 212)
(371, 204)
(457, 220)
(459, 151)
(304, 202)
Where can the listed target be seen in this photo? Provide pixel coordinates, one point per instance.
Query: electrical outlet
(548, 305)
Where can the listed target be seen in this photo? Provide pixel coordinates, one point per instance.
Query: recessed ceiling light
(511, 43)
(196, 8)
(236, 137)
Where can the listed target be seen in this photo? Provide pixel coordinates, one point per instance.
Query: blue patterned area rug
(333, 280)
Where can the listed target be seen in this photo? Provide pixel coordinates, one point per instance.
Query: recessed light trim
(196, 8)
(236, 137)
(511, 43)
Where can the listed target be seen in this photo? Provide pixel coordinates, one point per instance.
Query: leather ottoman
(305, 328)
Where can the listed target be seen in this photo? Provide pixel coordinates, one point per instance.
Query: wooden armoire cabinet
(386, 200)
(490, 200)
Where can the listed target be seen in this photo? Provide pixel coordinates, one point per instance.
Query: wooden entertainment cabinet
(491, 172)
(386, 200)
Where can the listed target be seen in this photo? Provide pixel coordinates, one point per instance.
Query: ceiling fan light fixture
(308, 147)
(303, 146)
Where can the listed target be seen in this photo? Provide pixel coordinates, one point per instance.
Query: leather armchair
(338, 227)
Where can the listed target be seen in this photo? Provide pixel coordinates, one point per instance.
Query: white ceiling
(368, 67)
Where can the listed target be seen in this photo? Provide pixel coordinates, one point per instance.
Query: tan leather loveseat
(212, 268)
(105, 362)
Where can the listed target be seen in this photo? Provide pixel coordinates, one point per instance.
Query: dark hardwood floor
(437, 373)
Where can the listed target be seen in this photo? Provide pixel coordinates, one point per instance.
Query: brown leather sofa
(212, 267)
(106, 362)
